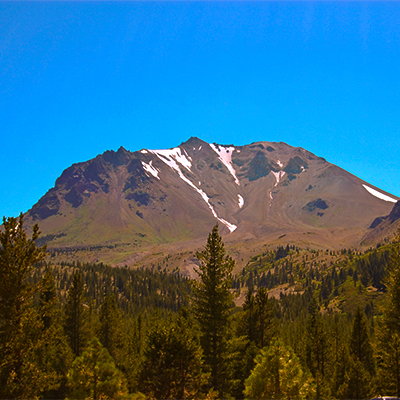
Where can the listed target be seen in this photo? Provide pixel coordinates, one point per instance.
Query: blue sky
(80, 78)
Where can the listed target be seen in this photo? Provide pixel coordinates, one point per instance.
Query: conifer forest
(293, 324)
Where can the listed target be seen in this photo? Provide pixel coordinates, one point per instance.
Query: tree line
(81, 331)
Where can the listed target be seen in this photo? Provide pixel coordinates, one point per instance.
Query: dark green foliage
(172, 364)
(76, 316)
(135, 290)
(282, 252)
(264, 323)
(313, 311)
(248, 318)
(371, 268)
(278, 374)
(19, 331)
(212, 306)
(316, 349)
(360, 366)
(358, 381)
(110, 331)
(360, 347)
(388, 348)
(94, 375)
(54, 354)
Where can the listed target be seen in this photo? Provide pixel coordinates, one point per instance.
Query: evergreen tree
(75, 316)
(360, 348)
(389, 329)
(212, 306)
(265, 316)
(54, 354)
(94, 375)
(278, 375)
(19, 371)
(358, 384)
(133, 351)
(240, 361)
(361, 363)
(172, 366)
(339, 357)
(248, 318)
(316, 348)
(110, 328)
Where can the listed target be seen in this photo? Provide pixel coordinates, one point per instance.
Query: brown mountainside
(135, 207)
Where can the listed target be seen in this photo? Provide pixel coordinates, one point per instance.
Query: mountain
(127, 207)
(383, 228)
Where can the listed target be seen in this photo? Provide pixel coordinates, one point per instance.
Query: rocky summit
(125, 207)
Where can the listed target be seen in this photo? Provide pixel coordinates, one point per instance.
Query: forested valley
(294, 323)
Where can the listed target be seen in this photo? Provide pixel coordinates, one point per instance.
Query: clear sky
(80, 78)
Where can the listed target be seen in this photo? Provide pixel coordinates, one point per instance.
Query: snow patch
(144, 151)
(172, 158)
(200, 148)
(379, 195)
(241, 201)
(279, 163)
(225, 156)
(278, 176)
(150, 169)
(230, 226)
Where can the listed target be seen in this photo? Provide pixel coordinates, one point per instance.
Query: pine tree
(362, 366)
(264, 318)
(360, 347)
(278, 375)
(172, 366)
(212, 306)
(94, 375)
(52, 349)
(75, 316)
(111, 330)
(316, 349)
(19, 373)
(133, 351)
(248, 319)
(388, 349)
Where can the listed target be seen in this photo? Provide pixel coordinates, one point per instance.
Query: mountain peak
(262, 192)
(193, 141)
(119, 157)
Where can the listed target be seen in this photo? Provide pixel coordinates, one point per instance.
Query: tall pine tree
(362, 366)
(172, 366)
(111, 328)
(265, 318)
(75, 316)
(94, 375)
(212, 306)
(20, 375)
(52, 349)
(316, 349)
(388, 349)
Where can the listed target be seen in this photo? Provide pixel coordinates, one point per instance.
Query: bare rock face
(383, 228)
(395, 213)
(257, 193)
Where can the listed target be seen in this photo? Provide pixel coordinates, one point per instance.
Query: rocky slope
(131, 205)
